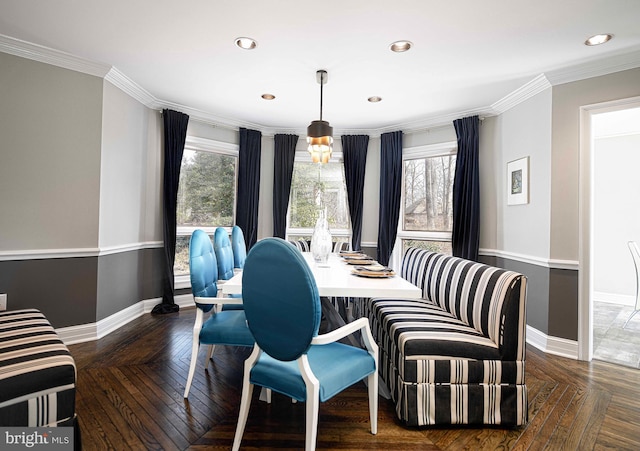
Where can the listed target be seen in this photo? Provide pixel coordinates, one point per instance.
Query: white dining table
(335, 279)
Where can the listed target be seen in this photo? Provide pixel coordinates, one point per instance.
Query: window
(206, 193)
(427, 203)
(315, 186)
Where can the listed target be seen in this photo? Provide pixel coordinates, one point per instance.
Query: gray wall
(80, 193)
(130, 204)
(50, 124)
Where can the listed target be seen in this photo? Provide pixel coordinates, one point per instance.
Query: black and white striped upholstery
(457, 355)
(37, 372)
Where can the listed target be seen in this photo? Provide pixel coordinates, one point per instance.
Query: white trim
(615, 298)
(43, 254)
(211, 145)
(525, 92)
(603, 66)
(533, 260)
(51, 56)
(125, 84)
(552, 345)
(585, 212)
(108, 250)
(38, 254)
(430, 150)
(94, 331)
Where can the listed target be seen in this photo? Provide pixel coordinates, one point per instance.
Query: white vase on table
(321, 241)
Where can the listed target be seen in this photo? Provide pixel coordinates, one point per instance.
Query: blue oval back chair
(239, 247)
(289, 356)
(224, 253)
(222, 327)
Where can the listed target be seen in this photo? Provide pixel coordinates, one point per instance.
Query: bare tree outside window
(428, 186)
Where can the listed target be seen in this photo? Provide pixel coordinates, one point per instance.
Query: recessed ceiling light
(374, 99)
(400, 46)
(598, 39)
(246, 43)
(268, 96)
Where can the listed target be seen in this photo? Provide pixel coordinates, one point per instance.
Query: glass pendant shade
(320, 133)
(320, 139)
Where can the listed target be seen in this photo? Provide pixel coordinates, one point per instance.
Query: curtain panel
(465, 237)
(390, 193)
(249, 184)
(283, 159)
(354, 153)
(175, 134)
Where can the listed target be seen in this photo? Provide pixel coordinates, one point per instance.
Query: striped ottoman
(37, 373)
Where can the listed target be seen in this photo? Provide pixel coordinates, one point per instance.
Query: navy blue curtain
(390, 191)
(284, 156)
(249, 184)
(465, 238)
(175, 134)
(354, 153)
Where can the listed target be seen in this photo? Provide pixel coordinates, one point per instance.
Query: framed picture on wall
(518, 181)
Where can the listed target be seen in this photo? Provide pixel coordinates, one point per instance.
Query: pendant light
(320, 133)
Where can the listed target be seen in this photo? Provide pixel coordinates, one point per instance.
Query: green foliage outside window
(206, 193)
(206, 198)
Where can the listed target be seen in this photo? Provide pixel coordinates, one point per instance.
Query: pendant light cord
(321, 84)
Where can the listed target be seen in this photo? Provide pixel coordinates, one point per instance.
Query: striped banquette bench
(37, 373)
(457, 355)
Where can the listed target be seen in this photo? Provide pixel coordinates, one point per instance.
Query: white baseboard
(552, 345)
(95, 331)
(611, 298)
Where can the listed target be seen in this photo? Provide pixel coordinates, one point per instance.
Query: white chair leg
(311, 426)
(265, 395)
(245, 400)
(245, 404)
(192, 367)
(209, 355)
(195, 346)
(629, 319)
(372, 384)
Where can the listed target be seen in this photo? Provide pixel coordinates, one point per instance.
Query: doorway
(610, 186)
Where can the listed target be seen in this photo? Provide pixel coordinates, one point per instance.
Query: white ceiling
(467, 56)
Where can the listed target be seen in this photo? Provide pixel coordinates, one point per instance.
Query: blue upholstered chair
(239, 247)
(224, 253)
(221, 327)
(289, 356)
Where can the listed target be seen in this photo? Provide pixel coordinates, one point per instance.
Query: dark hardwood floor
(130, 387)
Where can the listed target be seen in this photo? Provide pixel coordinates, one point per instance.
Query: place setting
(365, 266)
(373, 270)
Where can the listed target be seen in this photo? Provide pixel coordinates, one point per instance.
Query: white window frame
(414, 153)
(207, 145)
(302, 156)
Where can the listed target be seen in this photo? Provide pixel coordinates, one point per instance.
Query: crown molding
(603, 66)
(47, 55)
(125, 84)
(528, 90)
(607, 65)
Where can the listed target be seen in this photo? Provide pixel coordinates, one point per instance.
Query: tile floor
(611, 342)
